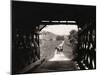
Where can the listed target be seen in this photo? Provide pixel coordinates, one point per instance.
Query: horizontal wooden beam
(50, 23)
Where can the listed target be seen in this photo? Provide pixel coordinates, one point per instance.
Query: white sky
(60, 29)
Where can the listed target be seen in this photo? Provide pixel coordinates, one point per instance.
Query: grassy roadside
(48, 48)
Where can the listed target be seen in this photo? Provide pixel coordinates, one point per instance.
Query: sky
(60, 29)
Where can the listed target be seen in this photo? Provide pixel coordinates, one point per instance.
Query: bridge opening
(53, 36)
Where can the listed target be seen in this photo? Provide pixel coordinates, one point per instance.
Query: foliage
(59, 38)
(73, 37)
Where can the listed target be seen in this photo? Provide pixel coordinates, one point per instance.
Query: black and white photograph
(52, 37)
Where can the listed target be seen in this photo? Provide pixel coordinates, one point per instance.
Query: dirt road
(59, 62)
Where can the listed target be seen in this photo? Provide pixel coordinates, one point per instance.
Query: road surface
(59, 62)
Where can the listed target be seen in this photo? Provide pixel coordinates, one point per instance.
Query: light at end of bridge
(56, 21)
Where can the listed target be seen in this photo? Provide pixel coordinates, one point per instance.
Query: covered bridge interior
(27, 20)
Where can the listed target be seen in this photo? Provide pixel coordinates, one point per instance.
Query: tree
(59, 38)
(73, 38)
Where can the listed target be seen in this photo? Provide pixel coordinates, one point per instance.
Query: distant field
(47, 48)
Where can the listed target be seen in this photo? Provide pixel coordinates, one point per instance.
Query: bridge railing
(25, 49)
(87, 47)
